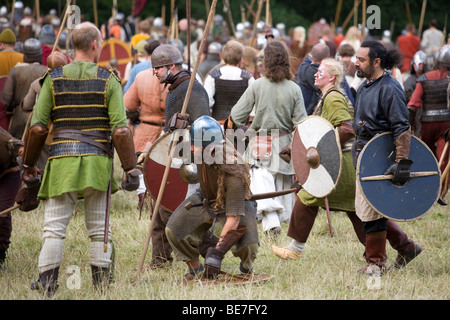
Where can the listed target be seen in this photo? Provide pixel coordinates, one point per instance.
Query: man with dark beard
(167, 66)
(381, 107)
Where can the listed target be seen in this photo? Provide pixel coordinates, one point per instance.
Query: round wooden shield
(316, 156)
(115, 49)
(175, 190)
(401, 203)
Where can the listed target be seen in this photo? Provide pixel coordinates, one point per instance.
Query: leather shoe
(285, 253)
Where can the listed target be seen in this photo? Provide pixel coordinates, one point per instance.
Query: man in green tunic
(85, 104)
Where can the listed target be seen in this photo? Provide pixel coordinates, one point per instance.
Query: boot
(375, 253)
(406, 248)
(215, 255)
(101, 278)
(48, 281)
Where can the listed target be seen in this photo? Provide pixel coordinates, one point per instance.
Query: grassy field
(325, 271)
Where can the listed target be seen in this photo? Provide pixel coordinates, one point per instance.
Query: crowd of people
(60, 110)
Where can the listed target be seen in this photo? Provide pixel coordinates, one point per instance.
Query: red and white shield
(175, 190)
(316, 156)
(115, 49)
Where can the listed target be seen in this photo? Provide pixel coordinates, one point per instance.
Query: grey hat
(47, 34)
(32, 51)
(165, 55)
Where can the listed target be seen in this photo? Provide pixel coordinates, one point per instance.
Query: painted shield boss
(401, 203)
(316, 156)
(175, 190)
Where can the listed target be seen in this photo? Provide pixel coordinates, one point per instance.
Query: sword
(258, 196)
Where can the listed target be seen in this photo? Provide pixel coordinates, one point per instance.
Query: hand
(30, 175)
(178, 121)
(131, 180)
(400, 170)
(285, 153)
(213, 262)
(141, 157)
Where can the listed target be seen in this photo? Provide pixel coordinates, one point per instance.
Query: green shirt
(278, 106)
(68, 174)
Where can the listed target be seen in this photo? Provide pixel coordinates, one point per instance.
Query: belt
(84, 136)
(154, 124)
(435, 115)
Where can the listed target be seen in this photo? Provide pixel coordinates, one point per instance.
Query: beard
(360, 73)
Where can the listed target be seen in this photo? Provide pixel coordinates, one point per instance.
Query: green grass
(325, 271)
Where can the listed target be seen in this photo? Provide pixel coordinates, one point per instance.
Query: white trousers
(58, 212)
(272, 211)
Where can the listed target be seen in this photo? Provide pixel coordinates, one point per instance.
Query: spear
(422, 15)
(176, 136)
(258, 14)
(62, 25)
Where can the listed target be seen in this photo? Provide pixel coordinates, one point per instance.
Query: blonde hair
(334, 68)
(232, 52)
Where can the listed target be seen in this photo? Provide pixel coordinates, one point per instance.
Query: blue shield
(401, 203)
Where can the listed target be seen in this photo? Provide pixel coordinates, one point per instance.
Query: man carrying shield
(381, 107)
(167, 63)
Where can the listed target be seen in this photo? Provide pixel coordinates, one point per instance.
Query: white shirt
(228, 72)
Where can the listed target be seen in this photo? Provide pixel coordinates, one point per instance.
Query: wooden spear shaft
(422, 15)
(176, 136)
(258, 14)
(62, 25)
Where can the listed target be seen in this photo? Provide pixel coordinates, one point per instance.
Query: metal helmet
(47, 34)
(158, 22)
(215, 47)
(166, 54)
(418, 58)
(205, 131)
(443, 56)
(32, 51)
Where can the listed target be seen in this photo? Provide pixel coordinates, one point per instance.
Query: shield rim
(358, 179)
(337, 143)
(154, 198)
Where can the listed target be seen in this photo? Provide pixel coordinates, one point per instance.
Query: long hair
(241, 171)
(276, 62)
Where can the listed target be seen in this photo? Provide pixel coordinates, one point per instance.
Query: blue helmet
(206, 130)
